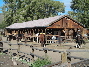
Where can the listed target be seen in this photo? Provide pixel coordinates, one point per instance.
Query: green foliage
(2, 25)
(40, 62)
(18, 11)
(1, 17)
(80, 11)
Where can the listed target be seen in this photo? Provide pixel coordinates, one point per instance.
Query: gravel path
(6, 61)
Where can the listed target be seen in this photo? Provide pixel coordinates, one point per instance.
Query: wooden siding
(65, 23)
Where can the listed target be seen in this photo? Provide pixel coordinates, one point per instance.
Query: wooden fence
(84, 62)
(48, 39)
(65, 56)
(31, 53)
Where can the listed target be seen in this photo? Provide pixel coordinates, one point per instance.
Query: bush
(41, 62)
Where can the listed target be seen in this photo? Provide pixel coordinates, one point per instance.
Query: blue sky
(66, 2)
(1, 4)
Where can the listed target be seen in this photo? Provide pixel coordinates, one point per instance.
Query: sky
(1, 4)
(66, 3)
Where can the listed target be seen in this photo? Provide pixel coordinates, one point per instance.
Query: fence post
(1, 49)
(18, 50)
(10, 50)
(64, 57)
(45, 53)
(46, 39)
(69, 64)
(68, 58)
(32, 55)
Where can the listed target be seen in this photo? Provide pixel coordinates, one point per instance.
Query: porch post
(45, 36)
(59, 38)
(33, 34)
(38, 36)
(65, 33)
(42, 30)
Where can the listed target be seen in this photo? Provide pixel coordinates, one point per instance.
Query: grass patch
(37, 63)
(40, 62)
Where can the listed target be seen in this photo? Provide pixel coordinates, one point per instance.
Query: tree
(18, 11)
(2, 25)
(80, 11)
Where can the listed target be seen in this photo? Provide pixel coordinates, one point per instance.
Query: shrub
(41, 62)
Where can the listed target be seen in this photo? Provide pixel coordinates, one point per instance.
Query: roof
(37, 23)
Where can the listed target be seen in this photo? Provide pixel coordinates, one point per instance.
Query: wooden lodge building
(50, 26)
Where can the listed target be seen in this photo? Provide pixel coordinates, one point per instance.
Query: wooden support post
(42, 30)
(5, 32)
(69, 64)
(38, 36)
(32, 55)
(27, 31)
(45, 31)
(65, 33)
(25, 40)
(59, 38)
(46, 39)
(45, 36)
(10, 50)
(68, 58)
(33, 34)
(17, 32)
(45, 53)
(18, 49)
(38, 31)
(64, 57)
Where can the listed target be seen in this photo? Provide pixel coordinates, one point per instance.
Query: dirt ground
(53, 56)
(6, 61)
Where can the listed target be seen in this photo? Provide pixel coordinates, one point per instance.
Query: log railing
(31, 53)
(64, 55)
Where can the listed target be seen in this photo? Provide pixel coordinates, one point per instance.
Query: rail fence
(84, 62)
(48, 38)
(31, 53)
(65, 56)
